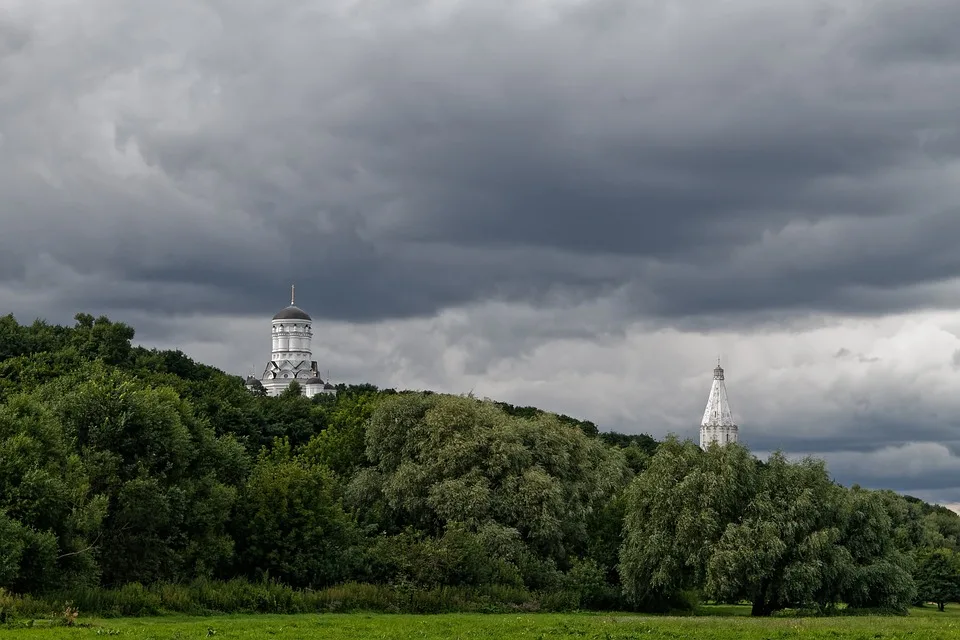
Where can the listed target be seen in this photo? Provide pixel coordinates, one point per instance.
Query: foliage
(238, 596)
(289, 524)
(341, 446)
(677, 510)
(135, 481)
(784, 552)
(588, 427)
(937, 575)
(779, 534)
(876, 569)
(438, 460)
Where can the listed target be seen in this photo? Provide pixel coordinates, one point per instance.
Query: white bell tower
(291, 358)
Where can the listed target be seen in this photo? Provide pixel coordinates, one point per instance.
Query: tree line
(123, 465)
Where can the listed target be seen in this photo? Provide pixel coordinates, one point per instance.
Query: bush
(15, 607)
(588, 581)
(207, 597)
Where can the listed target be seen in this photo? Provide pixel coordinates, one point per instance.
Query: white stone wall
(721, 434)
(277, 386)
(311, 390)
(291, 340)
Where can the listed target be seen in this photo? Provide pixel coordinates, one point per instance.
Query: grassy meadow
(711, 623)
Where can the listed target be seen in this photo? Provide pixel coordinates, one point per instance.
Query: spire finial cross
(292, 290)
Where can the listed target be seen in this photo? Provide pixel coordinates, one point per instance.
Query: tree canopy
(121, 464)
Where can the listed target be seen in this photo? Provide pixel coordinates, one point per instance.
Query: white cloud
(805, 386)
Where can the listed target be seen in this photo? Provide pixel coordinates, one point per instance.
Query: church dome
(292, 312)
(314, 381)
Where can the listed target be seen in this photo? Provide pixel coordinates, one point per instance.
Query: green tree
(783, 549)
(290, 524)
(910, 530)
(103, 339)
(875, 571)
(341, 447)
(463, 555)
(11, 550)
(944, 525)
(159, 466)
(436, 460)
(676, 512)
(292, 415)
(13, 342)
(605, 527)
(44, 486)
(937, 575)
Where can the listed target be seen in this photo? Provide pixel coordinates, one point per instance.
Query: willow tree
(676, 512)
(778, 534)
(784, 548)
(805, 541)
(438, 461)
(877, 571)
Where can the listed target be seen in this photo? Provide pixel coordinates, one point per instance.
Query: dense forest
(121, 465)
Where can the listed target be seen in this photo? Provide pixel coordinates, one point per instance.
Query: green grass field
(717, 624)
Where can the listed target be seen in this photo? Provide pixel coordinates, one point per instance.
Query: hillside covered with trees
(121, 466)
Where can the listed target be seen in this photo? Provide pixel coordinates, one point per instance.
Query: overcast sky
(574, 204)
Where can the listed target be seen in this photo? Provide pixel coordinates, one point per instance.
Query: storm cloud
(567, 202)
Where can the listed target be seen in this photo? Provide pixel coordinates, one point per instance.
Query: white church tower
(717, 424)
(291, 358)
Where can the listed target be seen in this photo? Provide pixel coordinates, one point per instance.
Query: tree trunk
(760, 607)
(940, 605)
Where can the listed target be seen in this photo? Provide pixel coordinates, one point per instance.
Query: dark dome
(329, 386)
(314, 381)
(292, 312)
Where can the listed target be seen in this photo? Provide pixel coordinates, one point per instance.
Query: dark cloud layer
(741, 157)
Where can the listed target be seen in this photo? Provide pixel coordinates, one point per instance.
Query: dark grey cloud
(395, 162)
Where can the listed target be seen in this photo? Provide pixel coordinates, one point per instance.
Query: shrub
(206, 597)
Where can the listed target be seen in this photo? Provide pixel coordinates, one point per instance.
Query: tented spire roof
(717, 413)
